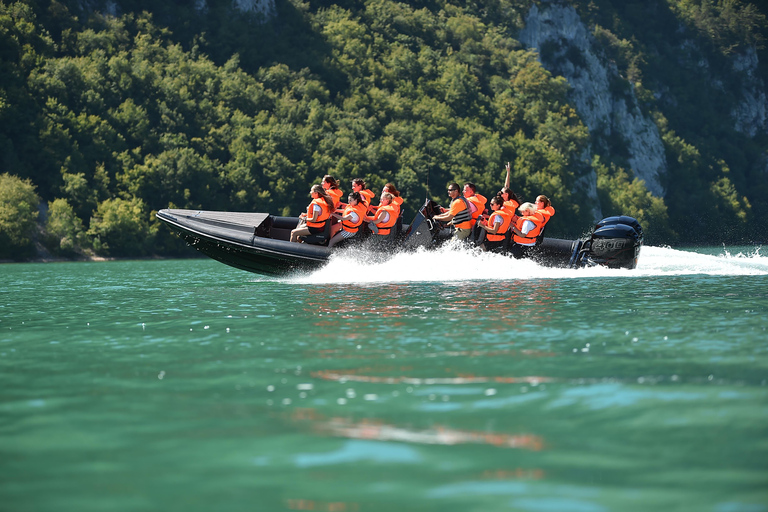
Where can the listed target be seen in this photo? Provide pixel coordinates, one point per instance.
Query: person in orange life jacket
(366, 195)
(476, 201)
(318, 211)
(546, 210)
(331, 187)
(397, 201)
(511, 201)
(525, 230)
(496, 227)
(386, 216)
(458, 214)
(351, 219)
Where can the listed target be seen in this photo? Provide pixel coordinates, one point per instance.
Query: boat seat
(320, 238)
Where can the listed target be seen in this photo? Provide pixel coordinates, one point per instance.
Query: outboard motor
(615, 242)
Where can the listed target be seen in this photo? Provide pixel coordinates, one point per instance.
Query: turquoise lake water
(431, 382)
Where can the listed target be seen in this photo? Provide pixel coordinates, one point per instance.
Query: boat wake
(450, 264)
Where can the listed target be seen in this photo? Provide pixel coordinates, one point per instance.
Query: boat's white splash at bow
(452, 264)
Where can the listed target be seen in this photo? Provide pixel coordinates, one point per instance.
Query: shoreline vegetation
(106, 118)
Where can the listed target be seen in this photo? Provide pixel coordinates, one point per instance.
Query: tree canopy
(114, 117)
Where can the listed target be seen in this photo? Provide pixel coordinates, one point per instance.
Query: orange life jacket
(547, 213)
(530, 238)
(350, 226)
(500, 233)
(335, 194)
(463, 219)
(386, 227)
(367, 195)
(510, 206)
(397, 203)
(478, 202)
(325, 212)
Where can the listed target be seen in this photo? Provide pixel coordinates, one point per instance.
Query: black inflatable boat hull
(237, 239)
(259, 242)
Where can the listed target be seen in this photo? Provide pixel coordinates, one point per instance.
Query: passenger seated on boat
(386, 217)
(477, 204)
(496, 227)
(511, 201)
(351, 219)
(397, 201)
(331, 187)
(458, 214)
(477, 201)
(318, 211)
(366, 195)
(545, 208)
(525, 230)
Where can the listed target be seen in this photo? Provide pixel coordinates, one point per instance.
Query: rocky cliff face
(571, 53)
(264, 7)
(751, 113)
(112, 7)
(567, 48)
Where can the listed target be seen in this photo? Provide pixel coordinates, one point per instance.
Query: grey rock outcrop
(751, 113)
(606, 114)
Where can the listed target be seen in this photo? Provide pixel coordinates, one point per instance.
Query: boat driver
(458, 214)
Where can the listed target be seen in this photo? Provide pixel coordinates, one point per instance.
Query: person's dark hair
(359, 181)
(331, 181)
(318, 189)
(454, 185)
(544, 199)
(356, 196)
(392, 189)
(497, 200)
(471, 186)
(512, 195)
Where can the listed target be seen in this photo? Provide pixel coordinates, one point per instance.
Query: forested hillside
(111, 112)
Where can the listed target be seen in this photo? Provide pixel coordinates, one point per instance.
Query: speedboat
(260, 242)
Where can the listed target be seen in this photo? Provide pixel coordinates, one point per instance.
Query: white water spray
(451, 264)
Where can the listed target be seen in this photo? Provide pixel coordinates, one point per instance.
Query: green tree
(120, 227)
(18, 217)
(65, 234)
(619, 194)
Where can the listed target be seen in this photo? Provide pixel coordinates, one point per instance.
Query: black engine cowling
(615, 242)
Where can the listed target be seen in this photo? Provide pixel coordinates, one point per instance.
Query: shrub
(18, 217)
(121, 228)
(65, 233)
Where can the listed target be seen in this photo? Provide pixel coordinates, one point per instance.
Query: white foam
(667, 261)
(451, 264)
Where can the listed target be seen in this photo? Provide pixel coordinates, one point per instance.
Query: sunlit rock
(751, 113)
(566, 48)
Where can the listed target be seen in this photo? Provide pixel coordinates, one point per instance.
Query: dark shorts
(497, 246)
(521, 251)
(315, 231)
